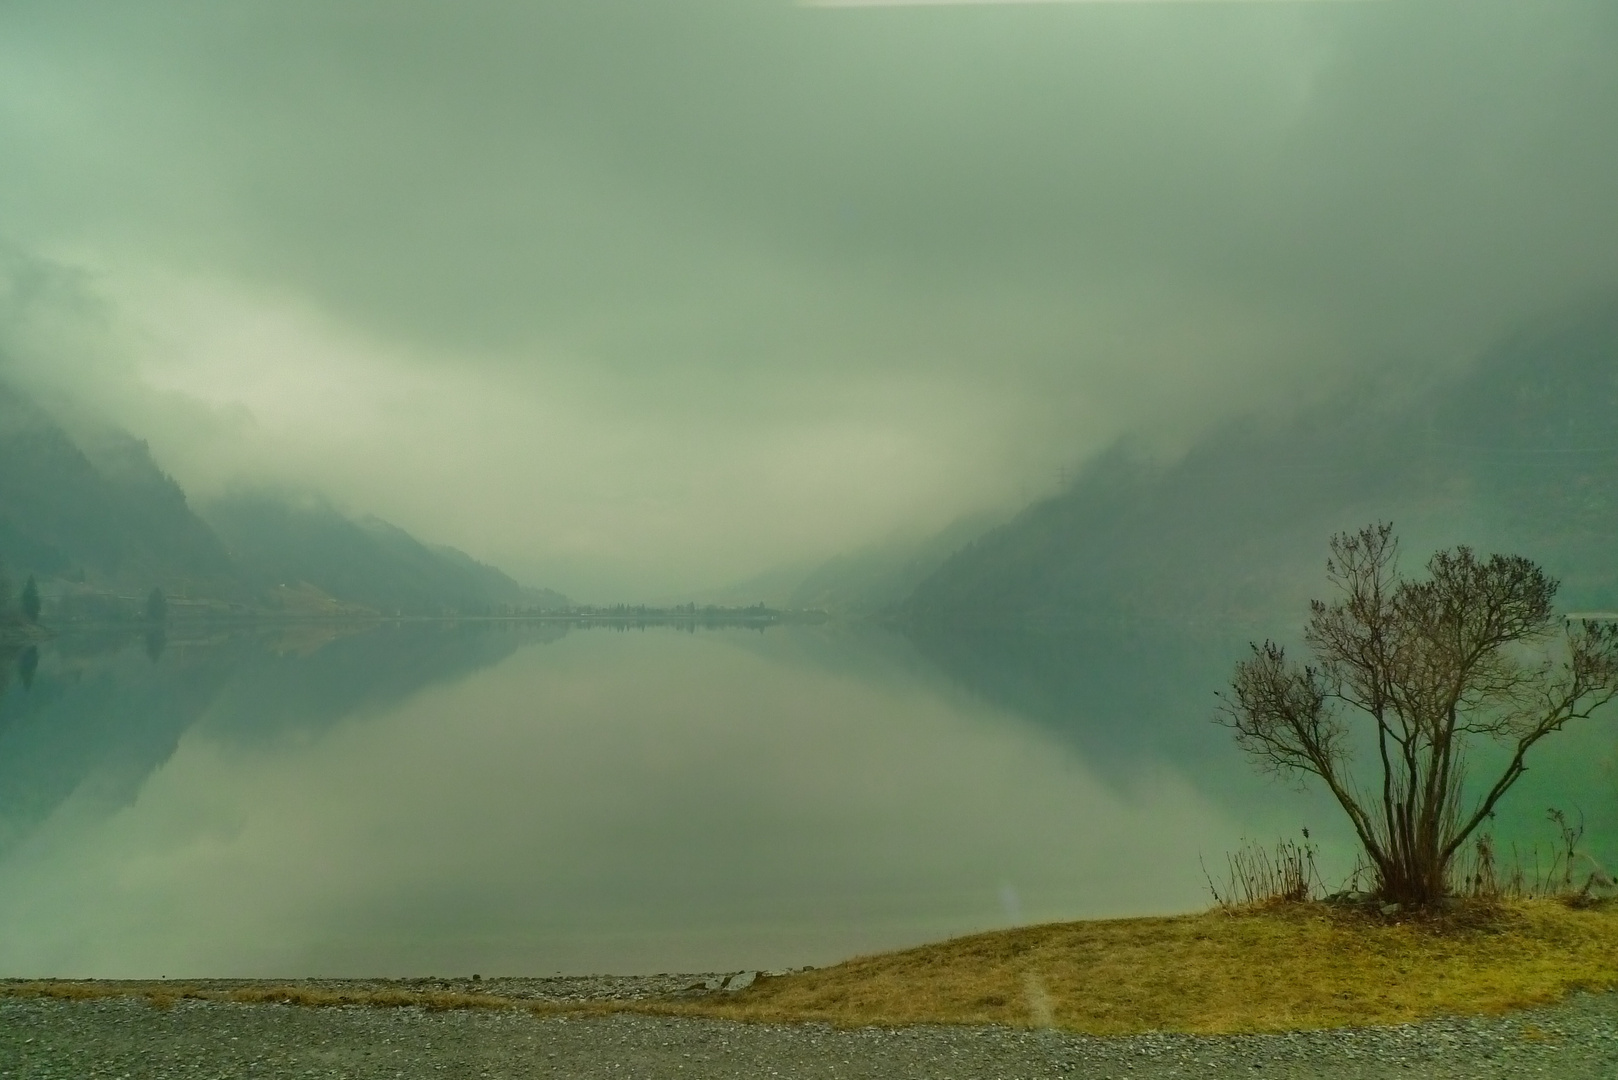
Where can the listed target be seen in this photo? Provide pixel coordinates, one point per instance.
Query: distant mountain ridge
(863, 582)
(279, 540)
(873, 578)
(1520, 454)
(97, 521)
(123, 521)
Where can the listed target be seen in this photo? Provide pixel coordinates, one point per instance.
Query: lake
(532, 798)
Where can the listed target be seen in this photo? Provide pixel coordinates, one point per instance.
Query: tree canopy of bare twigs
(1472, 651)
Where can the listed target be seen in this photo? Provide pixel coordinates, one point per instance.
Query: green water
(527, 799)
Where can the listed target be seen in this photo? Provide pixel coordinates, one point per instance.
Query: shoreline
(841, 1022)
(428, 992)
(1276, 968)
(1574, 1040)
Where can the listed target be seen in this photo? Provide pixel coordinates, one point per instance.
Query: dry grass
(1256, 875)
(1281, 967)
(1278, 968)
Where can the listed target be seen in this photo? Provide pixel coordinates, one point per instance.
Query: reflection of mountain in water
(101, 716)
(1128, 698)
(310, 688)
(1126, 694)
(1130, 695)
(17, 661)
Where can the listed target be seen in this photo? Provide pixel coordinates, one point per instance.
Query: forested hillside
(1520, 454)
(119, 522)
(94, 518)
(280, 541)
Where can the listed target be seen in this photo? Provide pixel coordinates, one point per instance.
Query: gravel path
(125, 1037)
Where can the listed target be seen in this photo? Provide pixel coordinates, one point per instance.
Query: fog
(638, 298)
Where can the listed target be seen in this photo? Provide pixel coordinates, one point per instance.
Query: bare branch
(1465, 652)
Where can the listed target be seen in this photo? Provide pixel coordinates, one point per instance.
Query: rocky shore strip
(128, 1037)
(550, 990)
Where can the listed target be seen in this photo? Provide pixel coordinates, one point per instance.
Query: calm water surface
(527, 799)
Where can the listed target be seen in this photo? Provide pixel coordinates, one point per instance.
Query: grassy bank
(1284, 967)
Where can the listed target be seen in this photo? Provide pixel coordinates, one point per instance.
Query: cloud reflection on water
(607, 802)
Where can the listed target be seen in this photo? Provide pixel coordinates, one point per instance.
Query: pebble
(127, 1037)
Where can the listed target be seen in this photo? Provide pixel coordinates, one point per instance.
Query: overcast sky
(639, 297)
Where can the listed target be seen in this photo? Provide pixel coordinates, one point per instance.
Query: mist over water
(427, 799)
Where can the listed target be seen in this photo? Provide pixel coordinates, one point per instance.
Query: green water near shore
(533, 798)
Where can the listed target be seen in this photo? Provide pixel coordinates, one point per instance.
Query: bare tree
(1473, 651)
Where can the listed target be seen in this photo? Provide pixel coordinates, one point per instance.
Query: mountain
(1534, 434)
(283, 542)
(770, 588)
(857, 583)
(876, 577)
(1520, 454)
(98, 716)
(119, 520)
(90, 513)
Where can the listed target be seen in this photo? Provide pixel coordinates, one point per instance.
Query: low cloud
(636, 301)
